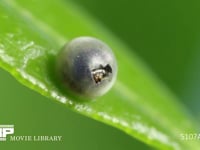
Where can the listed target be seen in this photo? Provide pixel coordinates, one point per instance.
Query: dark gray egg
(87, 67)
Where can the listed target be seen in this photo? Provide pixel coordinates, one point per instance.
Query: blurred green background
(165, 34)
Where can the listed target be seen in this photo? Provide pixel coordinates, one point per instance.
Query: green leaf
(31, 35)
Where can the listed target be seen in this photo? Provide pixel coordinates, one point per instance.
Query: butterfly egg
(87, 67)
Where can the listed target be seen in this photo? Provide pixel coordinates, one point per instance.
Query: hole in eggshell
(101, 73)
